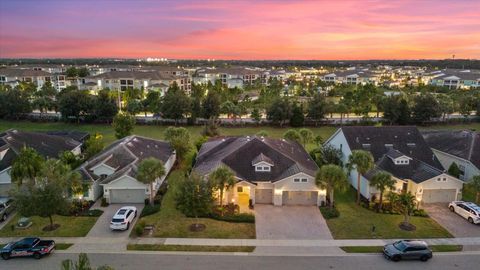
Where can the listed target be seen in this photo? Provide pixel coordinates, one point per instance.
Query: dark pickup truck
(31, 246)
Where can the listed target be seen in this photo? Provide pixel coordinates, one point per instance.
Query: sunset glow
(241, 29)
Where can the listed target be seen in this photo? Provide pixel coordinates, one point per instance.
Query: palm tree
(475, 185)
(149, 170)
(222, 178)
(27, 166)
(392, 197)
(382, 181)
(331, 177)
(362, 161)
(406, 202)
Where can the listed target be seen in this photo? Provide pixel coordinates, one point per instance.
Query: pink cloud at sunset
(241, 29)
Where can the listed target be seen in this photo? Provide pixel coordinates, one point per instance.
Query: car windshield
(400, 245)
(117, 220)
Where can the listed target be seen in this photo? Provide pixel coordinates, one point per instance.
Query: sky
(248, 30)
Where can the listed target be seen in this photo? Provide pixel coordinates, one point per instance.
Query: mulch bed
(50, 228)
(407, 226)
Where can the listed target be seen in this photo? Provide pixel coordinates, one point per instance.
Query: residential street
(207, 262)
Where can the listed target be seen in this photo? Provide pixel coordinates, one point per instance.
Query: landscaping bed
(70, 226)
(170, 222)
(147, 247)
(379, 249)
(356, 222)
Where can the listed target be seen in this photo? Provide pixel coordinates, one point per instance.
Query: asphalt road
(201, 262)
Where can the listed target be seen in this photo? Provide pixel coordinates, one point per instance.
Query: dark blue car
(30, 246)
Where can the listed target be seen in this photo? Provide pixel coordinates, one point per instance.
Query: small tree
(306, 135)
(123, 123)
(179, 138)
(26, 166)
(292, 135)
(406, 202)
(331, 177)
(382, 181)
(362, 161)
(297, 118)
(194, 197)
(255, 115)
(453, 170)
(83, 263)
(222, 179)
(475, 185)
(93, 146)
(149, 170)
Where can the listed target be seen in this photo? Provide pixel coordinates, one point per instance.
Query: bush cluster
(329, 213)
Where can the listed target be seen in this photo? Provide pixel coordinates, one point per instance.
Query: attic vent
(130, 144)
(366, 145)
(156, 146)
(411, 144)
(368, 138)
(148, 145)
(135, 139)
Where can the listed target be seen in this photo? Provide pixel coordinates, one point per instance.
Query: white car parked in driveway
(123, 218)
(467, 210)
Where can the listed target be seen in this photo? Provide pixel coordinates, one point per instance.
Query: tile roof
(238, 153)
(464, 144)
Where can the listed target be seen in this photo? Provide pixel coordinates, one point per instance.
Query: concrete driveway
(102, 226)
(290, 222)
(455, 224)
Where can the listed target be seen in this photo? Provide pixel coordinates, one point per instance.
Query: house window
(239, 189)
(444, 179)
(262, 168)
(296, 180)
(439, 179)
(304, 180)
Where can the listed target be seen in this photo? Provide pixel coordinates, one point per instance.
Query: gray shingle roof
(238, 153)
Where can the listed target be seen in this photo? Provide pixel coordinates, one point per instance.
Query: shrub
(150, 210)
(92, 213)
(238, 218)
(420, 213)
(140, 227)
(104, 202)
(329, 213)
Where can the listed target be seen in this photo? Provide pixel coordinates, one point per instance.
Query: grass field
(190, 248)
(356, 222)
(379, 249)
(69, 227)
(169, 222)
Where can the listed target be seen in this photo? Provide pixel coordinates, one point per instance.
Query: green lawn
(69, 227)
(169, 222)
(63, 246)
(355, 222)
(190, 248)
(379, 249)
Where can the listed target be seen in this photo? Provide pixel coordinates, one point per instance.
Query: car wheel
(452, 209)
(470, 220)
(396, 258)
(128, 226)
(37, 255)
(424, 258)
(5, 256)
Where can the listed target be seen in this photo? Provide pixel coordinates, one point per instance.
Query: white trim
(297, 175)
(102, 164)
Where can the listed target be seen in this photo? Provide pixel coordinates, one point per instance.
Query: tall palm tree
(149, 170)
(475, 185)
(382, 181)
(222, 179)
(362, 161)
(331, 177)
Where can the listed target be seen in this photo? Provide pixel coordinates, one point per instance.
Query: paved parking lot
(102, 227)
(290, 222)
(455, 224)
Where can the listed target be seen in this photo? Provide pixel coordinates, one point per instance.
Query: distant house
(456, 79)
(48, 145)
(353, 76)
(14, 76)
(402, 152)
(268, 171)
(113, 171)
(460, 147)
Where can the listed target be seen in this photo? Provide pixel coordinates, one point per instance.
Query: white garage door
(438, 195)
(264, 196)
(127, 196)
(299, 198)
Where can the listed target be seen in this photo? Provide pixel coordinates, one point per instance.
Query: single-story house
(113, 171)
(460, 147)
(47, 145)
(268, 171)
(402, 152)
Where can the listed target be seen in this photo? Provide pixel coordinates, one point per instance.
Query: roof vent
(156, 146)
(411, 144)
(148, 146)
(130, 144)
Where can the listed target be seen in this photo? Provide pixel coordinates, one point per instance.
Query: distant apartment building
(351, 77)
(231, 77)
(147, 80)
(14, 76)
(455, 79)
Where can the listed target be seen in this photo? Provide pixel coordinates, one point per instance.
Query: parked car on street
(123, 218)
(407, 250)
(30, 246)
(6, 208)
(467, 210)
